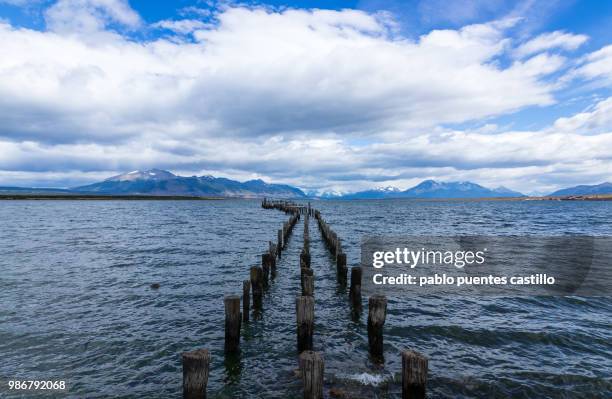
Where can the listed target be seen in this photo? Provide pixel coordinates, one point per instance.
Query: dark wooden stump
(256, 286)
(265, 268)
(279, 245)
(414, 375)
(341, 268)
(195, 373)
(355, 289)
(246, 299)
(233, 321)
(304, 259)
(304, 310)
(312, 368)
(377, 313)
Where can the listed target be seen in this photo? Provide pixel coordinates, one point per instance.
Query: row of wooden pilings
(311, 363)
(196, 363)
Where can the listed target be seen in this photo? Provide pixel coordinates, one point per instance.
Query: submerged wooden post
(377, 313)
(304, 310)
(195, 373)
(341, 268)
(233, 321)
(355, 290)
(256, 285)
(414, 375)
(312, 368)
(246, 299)
(308, 285)
(279, 245)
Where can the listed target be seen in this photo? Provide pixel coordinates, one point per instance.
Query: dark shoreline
(106, 197)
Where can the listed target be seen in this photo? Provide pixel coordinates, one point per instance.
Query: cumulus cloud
(255, 89)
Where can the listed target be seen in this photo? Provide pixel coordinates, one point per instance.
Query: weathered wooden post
(377, 313)
(304, 271)
(312, 368)
(308, 285)
(195, 373)
(414, 375)
(233, 321)
(256, 285)
(304, 310)
(246, 299)
(279, 245)
(305, 258)
(341, 268)
(355, 289)
(265, 268)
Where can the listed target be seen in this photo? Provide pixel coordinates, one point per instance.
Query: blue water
(76, 302)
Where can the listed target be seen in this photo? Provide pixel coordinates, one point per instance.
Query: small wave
(368, 379)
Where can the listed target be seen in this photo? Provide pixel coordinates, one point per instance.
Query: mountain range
(163, 183)
(603, 188)
(435, 189)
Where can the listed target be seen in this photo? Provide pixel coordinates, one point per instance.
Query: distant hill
(603, 188)
(163, 183)
(434, 189)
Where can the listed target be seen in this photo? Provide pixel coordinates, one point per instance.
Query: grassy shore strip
(84, 197)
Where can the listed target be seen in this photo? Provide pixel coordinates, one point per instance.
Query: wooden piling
(256, 275)
(304, 271)
(355, 289)
(377, 313)
(232, 323)
(305, 258)
(304, 310)
(414, 375)
(246, 299)
(279, 245)
(341, 268)
(312, 368)
(265, 267)
(308, 285)
(195, 373)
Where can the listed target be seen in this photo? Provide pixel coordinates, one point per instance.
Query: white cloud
(596, 120)
(598, 65)
(181, 26)
(87, 16)
(548, 41)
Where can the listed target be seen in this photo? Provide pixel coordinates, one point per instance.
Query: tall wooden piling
(312, 369)
(233, 321)
(414, 375)
(355, 289)
(195, 373)
(246, 299)
(305, 258)
(377, 313)
(308, 285)
(304, 310)
(256, 275)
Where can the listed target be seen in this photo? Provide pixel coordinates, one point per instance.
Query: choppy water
(75, 302)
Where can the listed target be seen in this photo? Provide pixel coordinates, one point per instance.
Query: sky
(328, 96)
